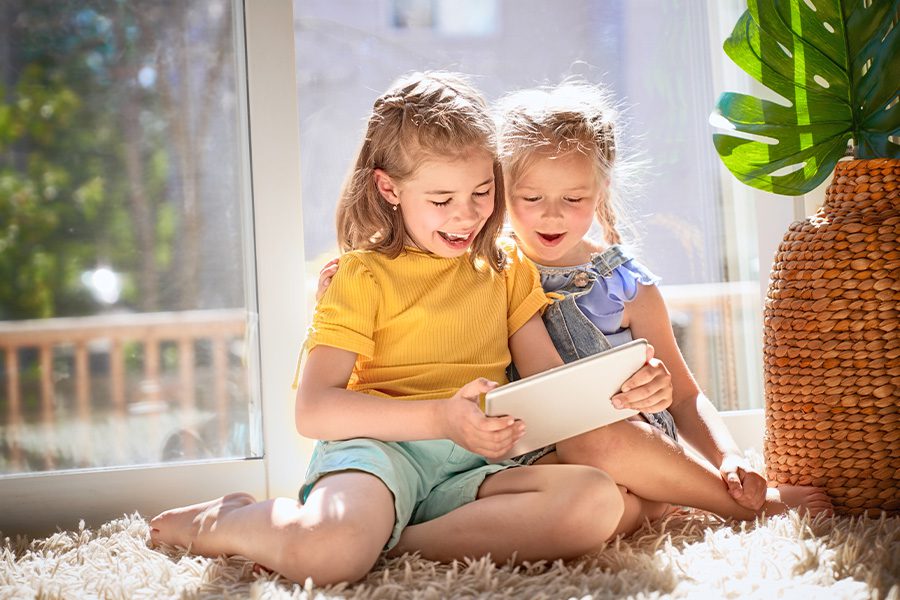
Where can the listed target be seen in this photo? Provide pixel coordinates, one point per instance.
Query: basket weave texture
(832, 344)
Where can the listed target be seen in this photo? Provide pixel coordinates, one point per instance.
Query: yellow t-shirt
(423, 326)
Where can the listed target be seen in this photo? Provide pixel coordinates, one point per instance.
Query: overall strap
(607, 261)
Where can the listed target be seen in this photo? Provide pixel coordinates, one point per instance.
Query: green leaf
(836, 64)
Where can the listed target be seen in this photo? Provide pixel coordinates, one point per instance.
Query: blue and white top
(615, 277)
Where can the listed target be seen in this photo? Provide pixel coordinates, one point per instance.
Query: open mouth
(550, 239)
(457, 240)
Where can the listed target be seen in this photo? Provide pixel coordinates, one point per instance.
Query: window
(128, 318)
(698, 228)
(150, 329)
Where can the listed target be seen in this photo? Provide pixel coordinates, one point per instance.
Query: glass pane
(127, 308)
(657, 58)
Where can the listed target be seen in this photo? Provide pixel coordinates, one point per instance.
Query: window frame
(38, 503)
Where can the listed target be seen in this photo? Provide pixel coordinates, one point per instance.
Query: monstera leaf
(836, 63)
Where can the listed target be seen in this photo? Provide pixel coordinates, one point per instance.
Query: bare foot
(194, 527)
(804, 499)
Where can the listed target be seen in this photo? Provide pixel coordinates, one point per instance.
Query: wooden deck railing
(80, 338)
(726, 303)
(83, 335)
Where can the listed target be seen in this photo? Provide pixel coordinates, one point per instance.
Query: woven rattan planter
(832, 345)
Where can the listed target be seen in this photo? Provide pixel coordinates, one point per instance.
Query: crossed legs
(530, 513)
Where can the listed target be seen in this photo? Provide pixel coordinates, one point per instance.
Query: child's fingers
(330, 265)
(745, 485)
(501, 443)
(639, 379)
(323, 285)
(734, 483)
(754, 487)
(650, 371)
(654, 392)
(653, 403)
(494, 428)
(498, 442)
(491, 437)
(472, 390)
(492, 424)
(325, 275)
(649, 387)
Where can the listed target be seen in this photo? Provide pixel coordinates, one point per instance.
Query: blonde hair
(572, 117)
(431, 115)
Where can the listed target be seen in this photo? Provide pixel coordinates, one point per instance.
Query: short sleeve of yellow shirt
(423, 326)
(345, 316)
(524, 293)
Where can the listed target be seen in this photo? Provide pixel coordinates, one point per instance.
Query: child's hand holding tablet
(570, 399)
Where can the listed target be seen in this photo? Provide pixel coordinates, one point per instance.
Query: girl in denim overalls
(558, 152)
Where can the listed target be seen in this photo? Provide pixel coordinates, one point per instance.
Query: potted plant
(831, 327)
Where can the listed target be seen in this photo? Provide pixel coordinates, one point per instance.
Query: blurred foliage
(87, 118)
(61, 204)
(39, 242)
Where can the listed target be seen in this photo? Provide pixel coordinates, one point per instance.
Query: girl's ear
(386, 187)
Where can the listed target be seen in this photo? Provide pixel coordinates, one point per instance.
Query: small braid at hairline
(607, 218)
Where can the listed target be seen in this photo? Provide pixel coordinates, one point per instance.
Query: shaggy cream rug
(689, 555)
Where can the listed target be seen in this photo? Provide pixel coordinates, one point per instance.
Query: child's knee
(335, 550)
(593, 506)
(604, 494)
(602, 444)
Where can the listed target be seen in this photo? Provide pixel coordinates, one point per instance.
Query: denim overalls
(576, 336)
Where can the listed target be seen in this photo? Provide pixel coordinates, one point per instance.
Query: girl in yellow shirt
(422, 319)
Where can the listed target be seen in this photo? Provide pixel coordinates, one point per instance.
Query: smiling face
(551, 207)
(445, 203)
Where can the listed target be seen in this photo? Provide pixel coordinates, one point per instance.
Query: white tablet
(570, 399)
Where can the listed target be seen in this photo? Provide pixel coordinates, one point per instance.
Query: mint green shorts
(428, 478)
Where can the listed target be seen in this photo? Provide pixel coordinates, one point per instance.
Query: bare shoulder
(648, 305)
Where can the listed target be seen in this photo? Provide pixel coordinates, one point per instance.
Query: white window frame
(38, 503)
